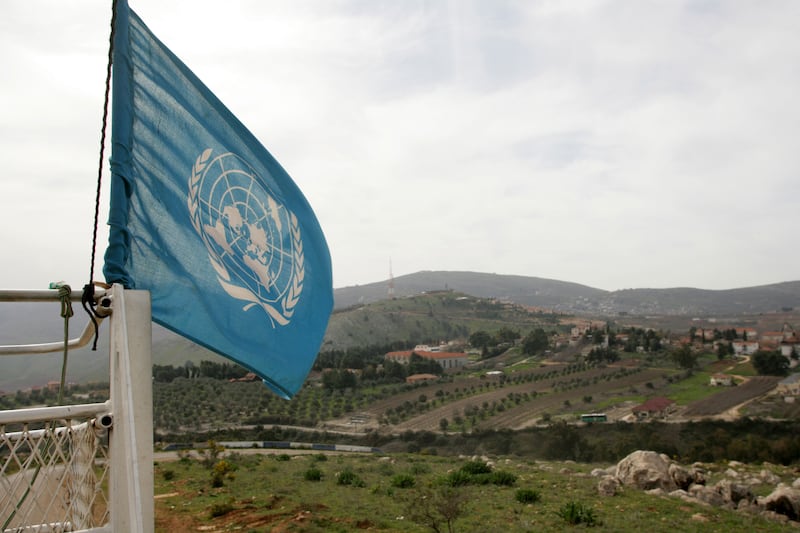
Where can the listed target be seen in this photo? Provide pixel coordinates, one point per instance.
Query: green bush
(348, 477)
(168, 475)
(575, 513)
(220, 509)
(313, 474)
(458, 478)
(403, 481)
(220, 471)
(527, 496)
(476, 467)
(503, 478)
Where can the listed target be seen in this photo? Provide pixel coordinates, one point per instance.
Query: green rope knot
(64, 292)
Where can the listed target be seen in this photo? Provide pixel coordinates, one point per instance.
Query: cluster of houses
(449, 361)
(748, 340)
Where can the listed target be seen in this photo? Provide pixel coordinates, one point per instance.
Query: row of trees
(387, 372)
(729, 334)
(630, 339)
(359, 358)
(206, 369)
(493, 344)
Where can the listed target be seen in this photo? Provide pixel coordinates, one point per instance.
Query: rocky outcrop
(783, 500)
(650, 470)
(733, 492)
(659, 475)
(608, 486)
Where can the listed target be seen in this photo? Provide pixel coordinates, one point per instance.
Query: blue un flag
(208, 221)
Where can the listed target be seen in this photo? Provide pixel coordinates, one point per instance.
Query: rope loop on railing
(64, 295)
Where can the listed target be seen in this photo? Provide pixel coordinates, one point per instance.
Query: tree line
(206, 369)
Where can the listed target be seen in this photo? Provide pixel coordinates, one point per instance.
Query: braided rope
(87, 299)
(64, 294)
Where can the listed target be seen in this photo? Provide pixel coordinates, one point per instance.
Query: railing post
(131, 436)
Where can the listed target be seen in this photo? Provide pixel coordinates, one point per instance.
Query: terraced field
(523, 416)
(549, 397)
(378, 408)
(731, 397)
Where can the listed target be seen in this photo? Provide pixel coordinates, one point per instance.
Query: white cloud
(616, 144)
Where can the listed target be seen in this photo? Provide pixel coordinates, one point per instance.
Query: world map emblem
(253, 242)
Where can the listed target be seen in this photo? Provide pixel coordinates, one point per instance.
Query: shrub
(221, 469)
(283, 457)
(403, 481)
(437, 509)
(458, 478)
(313, 474)
(527, 496)
(476, 467)
(503, 478)
(348, 477)
(168, 475)
(575, 513)
(220, 509)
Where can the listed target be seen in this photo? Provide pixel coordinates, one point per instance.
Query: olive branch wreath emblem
(289, 301)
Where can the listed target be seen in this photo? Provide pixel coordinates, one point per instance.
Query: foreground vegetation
(412, 492)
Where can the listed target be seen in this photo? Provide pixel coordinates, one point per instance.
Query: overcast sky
(616, 144)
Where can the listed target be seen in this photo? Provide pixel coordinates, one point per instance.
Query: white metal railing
(85, 467)
(103, 303)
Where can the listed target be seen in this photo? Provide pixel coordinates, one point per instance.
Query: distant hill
(26, 323)
(427, 318)
(580, 299)
(40, 322)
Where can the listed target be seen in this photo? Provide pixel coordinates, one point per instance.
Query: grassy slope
(268, 493)
(427, 318)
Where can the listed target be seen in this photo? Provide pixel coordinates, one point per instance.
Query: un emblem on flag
(253, 242)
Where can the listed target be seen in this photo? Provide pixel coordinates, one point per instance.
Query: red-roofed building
(447, 360)
(750, 333)
(250, 376)
(774, 337)
(417, 378)
(721, 380)
(654, 408)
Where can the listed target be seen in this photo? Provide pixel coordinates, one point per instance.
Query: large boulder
(784, 500)
(707, 495)
(646, 470)
(733, 492)
(682, 477)
(608, 486)
(603, 472)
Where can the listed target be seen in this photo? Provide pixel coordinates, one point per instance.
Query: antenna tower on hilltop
(391, 281)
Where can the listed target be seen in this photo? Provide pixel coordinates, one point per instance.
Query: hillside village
(623, 368)
(585, 337)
